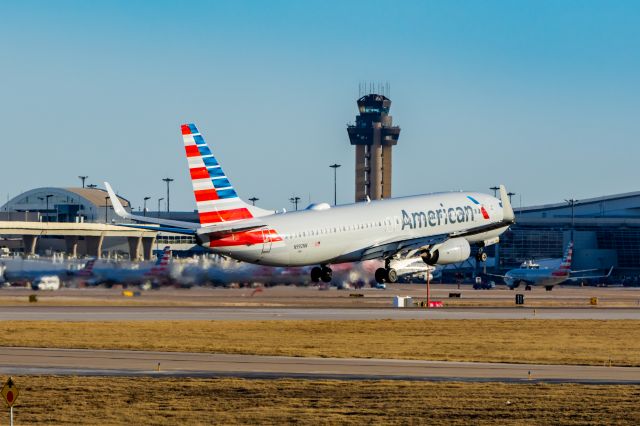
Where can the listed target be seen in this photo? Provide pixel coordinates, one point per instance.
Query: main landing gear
(323, 273)
(386, 274)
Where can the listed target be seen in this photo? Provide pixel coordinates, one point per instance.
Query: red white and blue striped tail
(87, 270)
(162, 265)
(565, 266)
(216, 198)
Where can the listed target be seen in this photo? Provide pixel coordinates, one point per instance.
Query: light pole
(572, 202)
(144, 209)
(83, 178)
(47, 197)
(106, 209)
(510, 194)
(335, 182)
(253, 200)
(295, 200)
(159, 199)
(168, 180)
(495, 190)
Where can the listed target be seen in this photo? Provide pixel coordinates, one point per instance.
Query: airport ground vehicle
(484, 285)
(50, 282)
(439, 228)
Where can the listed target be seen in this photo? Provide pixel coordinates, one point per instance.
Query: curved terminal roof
(96, 196)
(36, 199)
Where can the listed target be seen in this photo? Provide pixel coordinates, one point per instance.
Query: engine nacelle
(454, 250)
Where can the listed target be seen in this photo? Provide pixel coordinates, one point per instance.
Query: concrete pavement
(156, 313)
(18, 361)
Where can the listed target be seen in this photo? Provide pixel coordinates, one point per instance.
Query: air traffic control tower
(374, 135)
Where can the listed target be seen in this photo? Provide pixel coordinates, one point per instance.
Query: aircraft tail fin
(162, 265)
(216, 198)
(87, 270)
(565, 266)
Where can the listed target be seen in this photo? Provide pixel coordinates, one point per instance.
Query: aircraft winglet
(508, 215)
(115, 202)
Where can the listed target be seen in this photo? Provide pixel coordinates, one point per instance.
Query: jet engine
(454, 250)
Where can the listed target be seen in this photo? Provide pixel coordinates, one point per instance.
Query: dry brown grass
(123, 400)
(522, 341)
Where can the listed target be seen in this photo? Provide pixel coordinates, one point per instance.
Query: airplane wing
(181, 227)
(592, 276)
(386, 249)
(496, 275)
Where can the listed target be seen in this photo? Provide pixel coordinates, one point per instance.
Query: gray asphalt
(125, 313)
(32, 361)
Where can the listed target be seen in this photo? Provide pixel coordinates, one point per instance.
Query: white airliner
(438, 227)
(531, 274)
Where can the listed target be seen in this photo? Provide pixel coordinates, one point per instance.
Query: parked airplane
(531, 274)
(45, 277)
(439, 228)
(145, 277)
(229, 271)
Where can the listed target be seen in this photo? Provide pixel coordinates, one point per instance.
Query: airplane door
(266, 241)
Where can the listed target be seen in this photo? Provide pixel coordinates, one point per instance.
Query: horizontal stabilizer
(216, 232)
(184, 231)
(120, 211)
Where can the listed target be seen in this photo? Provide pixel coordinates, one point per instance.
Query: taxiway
(21, 361)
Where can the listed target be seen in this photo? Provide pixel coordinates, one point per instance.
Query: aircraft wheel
(481, 256)
(549, 288)
(527, 288)
(316, 272)
(326, 275)
(380, 275)
(392, 275)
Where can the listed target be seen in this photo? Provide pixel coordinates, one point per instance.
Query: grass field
(121, 400)
(526, 341)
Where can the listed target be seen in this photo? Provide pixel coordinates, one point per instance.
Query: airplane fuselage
(343, 233)
(534, 277)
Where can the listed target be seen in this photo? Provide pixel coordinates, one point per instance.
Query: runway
(35, 361)
(156, 313)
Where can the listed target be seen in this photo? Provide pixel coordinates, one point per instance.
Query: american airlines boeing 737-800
(440, 228)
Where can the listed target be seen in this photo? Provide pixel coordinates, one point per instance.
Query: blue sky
(543, 96)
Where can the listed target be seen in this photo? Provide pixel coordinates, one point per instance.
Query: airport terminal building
(77, 221)
(62, 205)
(606, 232)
